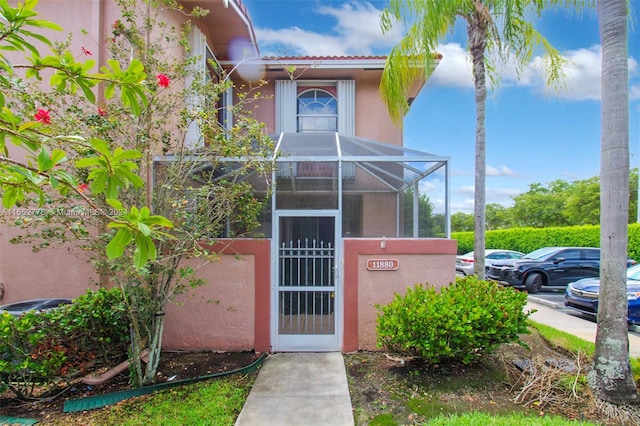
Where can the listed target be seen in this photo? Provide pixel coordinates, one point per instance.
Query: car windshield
(540, 253)
(633, 273)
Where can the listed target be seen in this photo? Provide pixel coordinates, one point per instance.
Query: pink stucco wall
(59, 272)
(420, 261)
(232, 312)
(219, 315)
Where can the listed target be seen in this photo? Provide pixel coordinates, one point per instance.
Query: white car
(464, 263)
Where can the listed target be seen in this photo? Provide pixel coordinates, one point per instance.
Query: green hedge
(459, 322)
(527, 240)
(61, 344)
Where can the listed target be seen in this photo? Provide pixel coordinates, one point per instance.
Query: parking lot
(555, 300)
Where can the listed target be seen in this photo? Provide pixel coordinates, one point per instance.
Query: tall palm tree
(498, 25)
(614, 381)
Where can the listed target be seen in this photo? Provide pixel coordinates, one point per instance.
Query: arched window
(317, 111)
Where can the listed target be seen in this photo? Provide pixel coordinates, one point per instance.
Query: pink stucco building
(343, 229)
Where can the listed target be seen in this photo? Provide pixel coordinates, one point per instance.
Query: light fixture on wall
(383, 242)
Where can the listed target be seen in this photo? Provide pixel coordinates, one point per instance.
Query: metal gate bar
(306, 289)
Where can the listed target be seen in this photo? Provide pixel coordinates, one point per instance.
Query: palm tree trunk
(477, 38)
(612, 378)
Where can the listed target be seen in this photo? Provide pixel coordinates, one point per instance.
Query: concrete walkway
(550, 314)
(308, 389)
(311, 389)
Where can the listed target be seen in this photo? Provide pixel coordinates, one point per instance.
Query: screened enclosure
(380, 190)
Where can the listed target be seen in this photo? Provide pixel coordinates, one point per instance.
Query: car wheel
(534, 283)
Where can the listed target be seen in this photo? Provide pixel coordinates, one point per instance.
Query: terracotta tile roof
(336, 58)
(330, 58)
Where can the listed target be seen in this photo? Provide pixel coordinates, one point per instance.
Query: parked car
(18, 308)
(464, 262)
(582, 295)
(548, 267)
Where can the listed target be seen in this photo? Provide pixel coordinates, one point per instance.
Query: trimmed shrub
(95, 324)
(44, 347)
(459, 322)
(21, 365)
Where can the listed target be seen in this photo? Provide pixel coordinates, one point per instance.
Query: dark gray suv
(548, 267)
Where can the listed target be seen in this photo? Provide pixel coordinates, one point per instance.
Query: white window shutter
(286, 106)
(227, 103)
(193, 137)
(347, 107)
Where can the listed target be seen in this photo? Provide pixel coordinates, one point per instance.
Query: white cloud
(502, 194)
(359, 23)
(502, 171)
(581, 76)
(581, 73)
(464, 206)
(634, 91)
(454, 68)
(357, 32)
(581, 79)
(466, 190)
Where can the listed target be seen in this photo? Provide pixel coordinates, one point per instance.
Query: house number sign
(383, 264)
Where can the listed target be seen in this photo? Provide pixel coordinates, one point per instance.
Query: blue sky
(533, 134)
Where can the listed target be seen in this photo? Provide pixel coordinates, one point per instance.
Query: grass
(564, 340)
(473, 419)
(216, 402)
(556, 337)
(576, 345)
(219, 402)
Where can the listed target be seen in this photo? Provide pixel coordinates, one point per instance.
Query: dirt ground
(387, 390)
(173, 366)
(537, 380)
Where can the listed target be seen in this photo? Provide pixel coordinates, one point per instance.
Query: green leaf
(9, 197)
(58, 157)
(101, 146)
(128, 154)
(44, 160)
(98, 184)
(141, 254)
(116, 204)
(119, 243)
(146, 231)
(88, 162)
(158, 221)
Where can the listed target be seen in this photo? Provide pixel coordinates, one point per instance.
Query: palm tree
(613, 380)
(498, 25)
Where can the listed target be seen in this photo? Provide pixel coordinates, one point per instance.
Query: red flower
(82, 187)
(43, 116)
(102, 112)
(86, 51)
(163, 80)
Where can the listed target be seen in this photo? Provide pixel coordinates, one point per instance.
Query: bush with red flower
(85, 156)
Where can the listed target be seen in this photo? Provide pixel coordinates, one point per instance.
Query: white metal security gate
(305, 316)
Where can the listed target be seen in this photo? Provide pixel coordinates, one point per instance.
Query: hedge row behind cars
(527, 240)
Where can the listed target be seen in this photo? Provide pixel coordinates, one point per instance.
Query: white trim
(311, 342)
(193, 136)
(343, 63)
(286, 99)
(346, 92)
(247, 22)
(227, 114)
